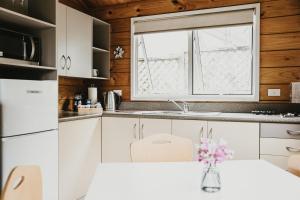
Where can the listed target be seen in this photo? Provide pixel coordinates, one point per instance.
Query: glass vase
(211, 181)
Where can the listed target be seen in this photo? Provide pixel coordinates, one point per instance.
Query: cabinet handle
(292, 150)
(201, 134)
(142, 131)
(290, 132)
(134, 131)
(69, 66)
(210, 133)
(63, 66)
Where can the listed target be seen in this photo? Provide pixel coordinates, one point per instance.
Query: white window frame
(234, 98)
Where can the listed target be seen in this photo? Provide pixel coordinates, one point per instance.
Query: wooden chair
(162, 148)
(294, 164)
(23, 183)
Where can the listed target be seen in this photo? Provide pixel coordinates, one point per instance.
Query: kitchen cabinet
(79, 156)
(117, 136)
(241, 137)
(154, 126)
(278, 142)
(191, 129)
(74, 42)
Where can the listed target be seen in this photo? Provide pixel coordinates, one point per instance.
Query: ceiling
(100, 3)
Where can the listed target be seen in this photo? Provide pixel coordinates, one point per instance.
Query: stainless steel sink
(191, 113)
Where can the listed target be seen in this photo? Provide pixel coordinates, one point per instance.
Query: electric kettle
(112, 100)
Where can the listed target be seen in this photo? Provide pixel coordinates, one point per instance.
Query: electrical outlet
(274, 92)
(119, 92)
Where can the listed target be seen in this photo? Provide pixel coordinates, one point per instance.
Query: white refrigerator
(29, 129)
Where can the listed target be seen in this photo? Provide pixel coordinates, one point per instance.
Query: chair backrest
(294, 164)
(162, 148)
(23, 183)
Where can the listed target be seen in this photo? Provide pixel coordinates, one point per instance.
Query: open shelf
(95, 49)
(101, 34)
(99, 78)
(20, 65)
(19, 19)
(101, 46)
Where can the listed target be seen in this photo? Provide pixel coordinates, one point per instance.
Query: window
(208, 55)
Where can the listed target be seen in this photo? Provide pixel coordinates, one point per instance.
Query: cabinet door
(154, 126)
(61, 38)
(79, 156)
(117, 136)
(242, 138)
(191, 129)
(79, 44)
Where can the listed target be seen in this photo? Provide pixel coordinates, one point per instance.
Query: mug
(95, 72)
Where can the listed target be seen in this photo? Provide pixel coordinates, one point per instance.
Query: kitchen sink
(191, 113)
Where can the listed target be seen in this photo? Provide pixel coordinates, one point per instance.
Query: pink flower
(210, 152)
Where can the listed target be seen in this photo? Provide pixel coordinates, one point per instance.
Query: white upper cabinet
(117, 136)
(242, 137)
(74, 42)
(191, 129)
(154, 126)
(61, 35)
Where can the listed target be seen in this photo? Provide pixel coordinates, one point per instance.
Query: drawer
(279, 147)
(275, 130)
(279, 161)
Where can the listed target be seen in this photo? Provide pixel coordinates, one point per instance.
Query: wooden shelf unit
(101, 48)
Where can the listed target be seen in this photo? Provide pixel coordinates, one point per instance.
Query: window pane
(162, 63)
(222, 60)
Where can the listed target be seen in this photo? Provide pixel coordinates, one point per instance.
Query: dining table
(240, 180)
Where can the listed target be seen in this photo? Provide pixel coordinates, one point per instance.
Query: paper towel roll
(92, 95)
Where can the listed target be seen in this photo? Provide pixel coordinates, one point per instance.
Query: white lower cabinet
(241, 137)
(191, 129)
(278, 150)
(117, 135)
(154, 126)
(79, 156)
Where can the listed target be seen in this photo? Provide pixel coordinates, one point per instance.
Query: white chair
(294, 164)
(162, 148)
(23, 183)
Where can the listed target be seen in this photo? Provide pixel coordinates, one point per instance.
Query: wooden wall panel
(67, 89)
(284, 96)
(280, 39)
(287, 58)
(281, 75)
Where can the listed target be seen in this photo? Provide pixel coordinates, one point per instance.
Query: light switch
(274, 92)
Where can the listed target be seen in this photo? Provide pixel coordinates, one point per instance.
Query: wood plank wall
(280, 39)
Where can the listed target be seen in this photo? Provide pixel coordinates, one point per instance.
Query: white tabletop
(241, 180)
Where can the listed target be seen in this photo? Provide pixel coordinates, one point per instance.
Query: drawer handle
(293, 132)
(293, 150)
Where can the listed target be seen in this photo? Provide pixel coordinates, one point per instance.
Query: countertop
(238, 117)
(72, 116)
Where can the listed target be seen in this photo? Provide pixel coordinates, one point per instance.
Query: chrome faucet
(184, 108)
